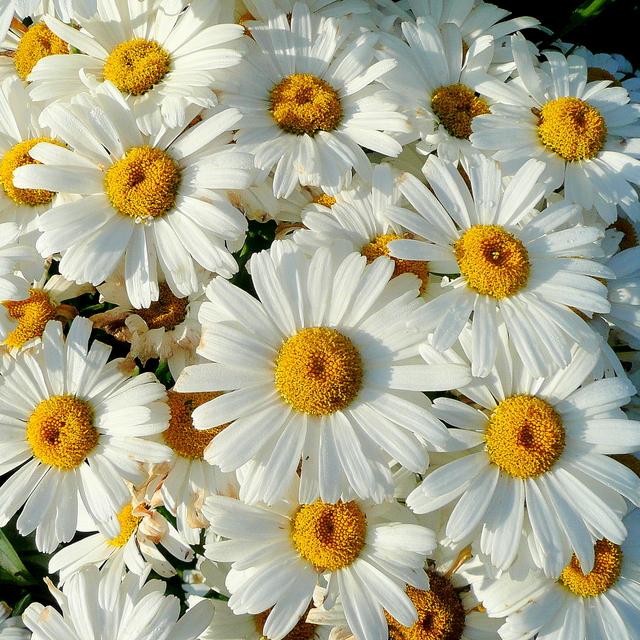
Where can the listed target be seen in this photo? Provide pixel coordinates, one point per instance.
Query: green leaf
(12, 568)
(591, 8)
(22, 604)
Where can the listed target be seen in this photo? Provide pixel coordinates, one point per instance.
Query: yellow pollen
(325, 200)
(605, 572)
(329, 536)
(32, 315)
(598, 74)
(60, 431)
(524, 436)
(304, 103)
(629, 233)
(441, 615)
(18, 156)
(181, 435)
(136, 65)
(379, 246)
(128, 524)
(572, 128)
(143, 184)
(302, 631)
(493, 262)
(456, 105)
(318, 371)
(37, 43)
(167, 312)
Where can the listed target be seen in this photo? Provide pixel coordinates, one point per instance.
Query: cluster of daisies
(328, 312)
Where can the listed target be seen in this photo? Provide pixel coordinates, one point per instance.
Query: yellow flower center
(441, 615)
(136, 65)
(60, 431)
(597, 74)
(329, 536)
(128, 524)
(379, 246)
(524, 436)
(18, 156)
(572, 128)
(605, 572)
(304, 103)
(456, 105)
(318, 371)
(143, 184)
(628, 231)
(302, 631)
(36, 43)
(32, 315)
(325, 200)
(181, 435)
(167, 312)
(493, 262)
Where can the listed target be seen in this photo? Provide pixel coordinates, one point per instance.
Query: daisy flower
(16, 260)
(280, 553)
(309, 107)
(126, 608)
(510, 262)
(535, 458)
(142, 530)
(601, 603)
(437, 84)
(23, 320)
(72, 427)
(11, 628)
(152, 200)
(321, 369)
(584, 132)
(149, 53)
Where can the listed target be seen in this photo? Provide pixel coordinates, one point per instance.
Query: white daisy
(154, 200)
(16, 260)
(11, 627)
(600, 604)
(322, 369)
(308, 107)
(142, 529)
(513, 263)
(586, 133)
(280, 553)
(123, 609)
(148, 52)
(72, 427)
(535, 456)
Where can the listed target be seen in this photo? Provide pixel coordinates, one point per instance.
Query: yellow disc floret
(441, 615)
(18, 156)
(379, 246)
(144, 183)
(181, 435)
(128, 524)
(304, 103)
(605, 572)
(524, 436)
(32, 315)
(167, 312)
(318, 371)
(60, 431)
(572, 128)
(456, 105)
(38, 42)
(329, 536)
(136, 65)
(325, 200)
(494, 262)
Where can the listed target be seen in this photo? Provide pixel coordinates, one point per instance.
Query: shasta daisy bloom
(16, 260)
(309, 107)
(280, 553)
(535, 458)
(585, 132)
(598, 604)
(126, 608)
(152, 201)
(11, 627)
(512, 263)
(321, 372)
(143, 529)
(148, 52)
(437, 84)
(72, 428)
